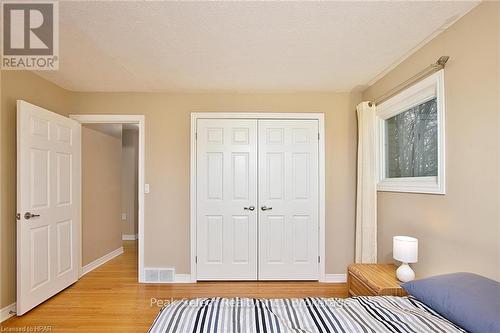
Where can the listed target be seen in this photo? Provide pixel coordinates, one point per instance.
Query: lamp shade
(405, 249)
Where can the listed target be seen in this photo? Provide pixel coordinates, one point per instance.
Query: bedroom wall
(459, 231)
(167, 233)
(101, 190)
(31, 88)
(167, 160)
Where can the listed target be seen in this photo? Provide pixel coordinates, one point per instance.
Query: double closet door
(257, 199)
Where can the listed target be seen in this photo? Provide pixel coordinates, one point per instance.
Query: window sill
(424, 185)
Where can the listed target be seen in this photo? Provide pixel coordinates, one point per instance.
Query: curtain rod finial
(442, 60)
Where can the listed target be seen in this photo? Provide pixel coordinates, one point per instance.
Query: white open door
(48, 204)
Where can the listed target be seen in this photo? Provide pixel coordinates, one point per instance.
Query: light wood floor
(109, 299)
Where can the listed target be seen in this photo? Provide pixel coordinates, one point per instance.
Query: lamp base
(405, 273)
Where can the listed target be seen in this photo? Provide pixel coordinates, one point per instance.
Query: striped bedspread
(357, 314)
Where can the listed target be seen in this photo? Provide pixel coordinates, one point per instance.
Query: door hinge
(318, 136)
(18, 216)
(319, 259)
(196, 259)
(196, 135)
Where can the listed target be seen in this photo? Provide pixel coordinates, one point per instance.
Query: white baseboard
(334, 278)
(5, 313)
(186, 278)
(102, 260)
(130, 237)
(183, 278)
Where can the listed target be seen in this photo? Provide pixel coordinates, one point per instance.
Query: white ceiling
(240, 46)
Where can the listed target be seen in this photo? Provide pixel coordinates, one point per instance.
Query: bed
(357, 314)
(449, 303)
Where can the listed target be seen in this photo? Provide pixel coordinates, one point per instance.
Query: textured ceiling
(239, 46)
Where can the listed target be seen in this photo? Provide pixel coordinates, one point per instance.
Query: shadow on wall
(130, 181)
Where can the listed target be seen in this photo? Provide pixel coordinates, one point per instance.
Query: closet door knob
(251, 208)
(266, 208)
(29, 215)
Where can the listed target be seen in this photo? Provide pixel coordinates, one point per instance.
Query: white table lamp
(405, 249)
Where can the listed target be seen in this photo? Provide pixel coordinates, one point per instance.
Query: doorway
(129, 182)
(132, 125)
(49, 192)
(109, 192)
(257, 196)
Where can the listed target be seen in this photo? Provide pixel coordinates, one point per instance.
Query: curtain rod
(431, 69)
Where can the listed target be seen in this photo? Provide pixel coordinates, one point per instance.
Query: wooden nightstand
(373, 280)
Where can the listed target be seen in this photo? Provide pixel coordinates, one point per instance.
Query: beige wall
(167, 162)
(101, 190)
(31, 88)
(459, 231)
(130, 154)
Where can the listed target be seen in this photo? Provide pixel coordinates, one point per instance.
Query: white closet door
(226, 185)
(288, 200)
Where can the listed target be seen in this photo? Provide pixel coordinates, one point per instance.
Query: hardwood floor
(109, 299)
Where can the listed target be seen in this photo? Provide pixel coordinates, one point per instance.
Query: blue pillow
(468, 300)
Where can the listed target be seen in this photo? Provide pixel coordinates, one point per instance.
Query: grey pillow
(471, 301)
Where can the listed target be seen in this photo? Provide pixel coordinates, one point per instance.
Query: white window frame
(432, 86)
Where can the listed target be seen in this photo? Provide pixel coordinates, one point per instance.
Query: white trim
(107, 118)
(101, 261)
(259, 115)
(334, 278)
(127, 119)
(132, 237)
(7, 312)
(255, 115)
(322, 191)
(432, 86)
(192, 201)
(184, 278)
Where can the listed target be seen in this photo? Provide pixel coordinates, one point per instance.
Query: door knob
(251, 208)
(29, 215)
(266, 208)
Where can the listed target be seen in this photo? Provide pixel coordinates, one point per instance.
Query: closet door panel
(226, 172)
(288, 200)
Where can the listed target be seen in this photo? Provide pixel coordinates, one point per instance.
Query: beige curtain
(366, 199)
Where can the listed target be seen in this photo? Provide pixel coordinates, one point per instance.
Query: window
(411, 139)
(411, 142)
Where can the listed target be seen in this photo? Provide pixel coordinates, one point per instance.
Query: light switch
(124, 216)
(146, 188)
